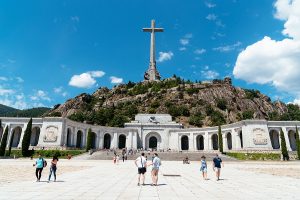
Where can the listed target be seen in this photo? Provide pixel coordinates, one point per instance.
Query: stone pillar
(22, 135)
(134, 140)
(129, 140)
(115, 141)
(191, 142)
(210, 146)
(206, 141)
(101, 140)
(97, 140)
(287, 141)
(225, 142)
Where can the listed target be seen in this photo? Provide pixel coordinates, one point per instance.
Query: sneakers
(138, 184)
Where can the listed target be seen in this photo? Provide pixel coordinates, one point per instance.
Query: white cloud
(19, 79)
(227, 48)
(6, 91)
(182, 48)
(60, 91)
(210, 5)
(163, 56)
(11, 61)
(2, 78)
(186, 39)
(211, 17)
(85, 80)
(200, 51)
(115, 80)
(269, 61)
(209, 74)
(40, 95)
(75, 19)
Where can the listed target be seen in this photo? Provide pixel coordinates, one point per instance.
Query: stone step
(170, 156)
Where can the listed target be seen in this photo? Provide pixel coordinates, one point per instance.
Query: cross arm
(155, 29)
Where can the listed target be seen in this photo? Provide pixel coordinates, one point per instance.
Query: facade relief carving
(51, 134)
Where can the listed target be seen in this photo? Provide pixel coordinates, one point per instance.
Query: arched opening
(200, 142)
(214, 140)
(241, 139)
(107, 139)
(184, 143)
(292, 139)
(16, 135)
(274, 137)
(122, 141)
(35, 135)
(69, 137)
(153, 142)
(229, 141)
(94, 137)
(79, 139)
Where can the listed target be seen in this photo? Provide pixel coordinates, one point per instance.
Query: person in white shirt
(156, 163)
(141, 164)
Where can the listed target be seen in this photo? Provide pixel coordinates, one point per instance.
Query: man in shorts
(141, 164)
(156, 163)
(217, 161)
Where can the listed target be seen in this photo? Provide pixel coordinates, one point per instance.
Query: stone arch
(241, 139)
(214, 142)
(152, 140)
(69, 138)
(16, 136)
(106, 141)
(184, 142)
(35, 135)
(200, 142)
(274, 137)
(229, 140)
(122, 141)
(292, 139)
(79, 139)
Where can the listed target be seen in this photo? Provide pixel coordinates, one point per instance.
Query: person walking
(40, 163)
(217, 161)
(53, 168)
(203, 167)
(156, 163)
(141, 164)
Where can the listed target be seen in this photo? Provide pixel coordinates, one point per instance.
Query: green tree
(26, 139)
(284, 150)
(89, 140)
(10, 144)
(297, 143)
(4, 142)
(220, 140)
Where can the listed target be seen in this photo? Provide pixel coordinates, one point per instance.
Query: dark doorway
(107, 139)
(153, 142)
(184, 143)
(16, 136)
(200, 142)
(69, 137)
(94, 140)
(122, 141)
(215, 144)
(229, 141)
(79, 139)
(35, 136)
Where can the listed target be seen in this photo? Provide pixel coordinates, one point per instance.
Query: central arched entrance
(35, 135)
(200, 142)
(122, 141)
(16, 135)
(153, 142)
(184, 142)
(79, 139)
(107, 140)
(274, 137)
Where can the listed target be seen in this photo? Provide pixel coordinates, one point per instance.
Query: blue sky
(51, 51)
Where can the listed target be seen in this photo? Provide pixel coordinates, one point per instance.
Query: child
(203, 167)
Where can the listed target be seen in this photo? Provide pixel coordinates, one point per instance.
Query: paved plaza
(92, 179)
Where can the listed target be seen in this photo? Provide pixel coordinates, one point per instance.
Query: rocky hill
(193, 104)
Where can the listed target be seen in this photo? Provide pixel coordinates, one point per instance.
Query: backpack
(44, 163)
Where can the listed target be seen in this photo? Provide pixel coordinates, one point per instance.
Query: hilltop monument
(152, 74)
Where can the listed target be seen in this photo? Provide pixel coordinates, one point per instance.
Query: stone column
(134, 140)
(210, 146)
(129, 140)
(22, 135)
(97, 140)
(286, 136)
(225, 142)
(191, 142)
(206, 141)
(101, 140)
(115, 141)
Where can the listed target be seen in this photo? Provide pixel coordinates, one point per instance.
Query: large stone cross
(152, 74)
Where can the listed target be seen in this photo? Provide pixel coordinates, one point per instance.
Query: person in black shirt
(217, 161)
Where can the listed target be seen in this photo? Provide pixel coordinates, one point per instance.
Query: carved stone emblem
(51, 134)
(259, 137)
(153, 120)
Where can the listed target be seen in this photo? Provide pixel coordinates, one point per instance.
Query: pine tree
(26, 139)
(284, 151)
(4, 142)
(220, 140)
(89, 140)
(297, 143)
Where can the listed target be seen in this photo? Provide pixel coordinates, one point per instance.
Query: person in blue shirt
(156, 163)
(217, 161)
(39, 163)
(203, 167)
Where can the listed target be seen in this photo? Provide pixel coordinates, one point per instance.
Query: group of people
(41, 163)
(142, 164)
(217, 162)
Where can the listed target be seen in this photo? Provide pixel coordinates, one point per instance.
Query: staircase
(170, 156)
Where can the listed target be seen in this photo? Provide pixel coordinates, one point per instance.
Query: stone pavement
(103, 180)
